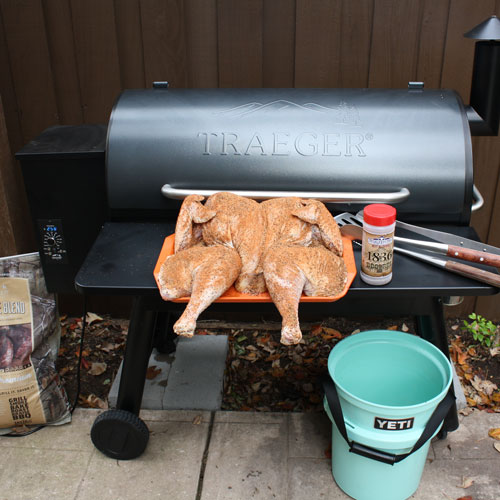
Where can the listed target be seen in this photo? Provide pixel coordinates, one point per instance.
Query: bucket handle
(433, 423)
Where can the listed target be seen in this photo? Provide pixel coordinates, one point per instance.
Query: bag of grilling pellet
(31, 393)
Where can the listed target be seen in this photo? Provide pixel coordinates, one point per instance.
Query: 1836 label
(377, 254)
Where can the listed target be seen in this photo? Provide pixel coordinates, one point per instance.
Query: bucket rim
(386, 335)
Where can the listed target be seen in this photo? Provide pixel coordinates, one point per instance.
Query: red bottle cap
(379, 214)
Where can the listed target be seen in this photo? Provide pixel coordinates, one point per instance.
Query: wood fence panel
(395, 41)
(201, 43)
(26, 38)
(279, 44)
(164, 42)
(434, 25)
(317, 43)
(240, 43)
(489, 307)
(459, 51)
(63, 61)
(457, 74)
(8, 94)
(7, 241)
(15, 221)
(356, 39)
(129, 43)
(97, 57)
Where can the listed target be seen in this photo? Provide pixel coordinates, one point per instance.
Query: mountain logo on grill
(343, 114)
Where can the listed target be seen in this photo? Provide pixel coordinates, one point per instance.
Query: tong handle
(473, 272)
(473, 255)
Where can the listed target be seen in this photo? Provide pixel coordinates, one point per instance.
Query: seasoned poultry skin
(303, 253)
(291, 270)
(204, 274)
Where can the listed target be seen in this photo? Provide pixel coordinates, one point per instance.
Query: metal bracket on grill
(392, 197)
(478, 199)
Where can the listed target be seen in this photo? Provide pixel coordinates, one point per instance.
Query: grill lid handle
(478, 200)
(392, 197)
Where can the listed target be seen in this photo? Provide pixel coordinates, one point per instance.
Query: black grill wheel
(119, 434)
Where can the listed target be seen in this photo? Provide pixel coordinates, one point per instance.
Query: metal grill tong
(351, 226)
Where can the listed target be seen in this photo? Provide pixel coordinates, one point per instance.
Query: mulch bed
(262, 374)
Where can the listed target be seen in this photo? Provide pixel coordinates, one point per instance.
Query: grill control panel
(52, 238)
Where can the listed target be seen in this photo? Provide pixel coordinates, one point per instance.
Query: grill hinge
(415, 85)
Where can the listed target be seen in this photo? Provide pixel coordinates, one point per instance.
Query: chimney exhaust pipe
(483, 112)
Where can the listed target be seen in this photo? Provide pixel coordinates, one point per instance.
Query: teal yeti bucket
(387, 396)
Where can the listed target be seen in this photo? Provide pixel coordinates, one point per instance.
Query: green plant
(482, 330)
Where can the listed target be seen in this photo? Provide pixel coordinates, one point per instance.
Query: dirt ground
(262, 374)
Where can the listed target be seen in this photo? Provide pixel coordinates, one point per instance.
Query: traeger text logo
(285, 143)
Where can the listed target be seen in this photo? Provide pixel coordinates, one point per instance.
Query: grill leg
(137, 353)
(431, 327)
(164, 335)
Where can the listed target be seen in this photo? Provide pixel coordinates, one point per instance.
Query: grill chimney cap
(487, 30)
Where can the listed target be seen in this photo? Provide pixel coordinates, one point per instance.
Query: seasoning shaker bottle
(379, 222)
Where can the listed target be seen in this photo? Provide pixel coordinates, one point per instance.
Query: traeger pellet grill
(348, 147)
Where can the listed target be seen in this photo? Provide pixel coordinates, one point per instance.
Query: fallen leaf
(494, 433)
(465, 498)
(484, 386)
(332, 333)
(404, 328)
(92, 317)
(108, 346)
(328, 451)
(152, 372)
(316, 330)
(273, 357)
(496, 446)
(467, 482)
(97, 368)
(85, 364)
(197, 420)
(92, 401)
(256, 386)
(496, 397)
(495, 351)
(392, 327)
(355, 331)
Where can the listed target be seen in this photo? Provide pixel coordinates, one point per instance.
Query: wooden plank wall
(65, 61)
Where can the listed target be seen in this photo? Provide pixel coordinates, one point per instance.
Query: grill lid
(411, 145)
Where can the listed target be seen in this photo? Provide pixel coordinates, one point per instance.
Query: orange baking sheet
(232, 295)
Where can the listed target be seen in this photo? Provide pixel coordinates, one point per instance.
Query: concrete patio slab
(169, 468)
(247, 460)
(196, 378)
(38, 474)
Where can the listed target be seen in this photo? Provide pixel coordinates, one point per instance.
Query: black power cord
(78, 369)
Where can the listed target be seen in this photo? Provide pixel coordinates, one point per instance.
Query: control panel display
(52, 238)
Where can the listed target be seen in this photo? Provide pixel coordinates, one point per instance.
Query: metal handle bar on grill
(391, 197)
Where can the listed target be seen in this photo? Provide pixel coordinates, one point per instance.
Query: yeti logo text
(283, 144)
(387, 424)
